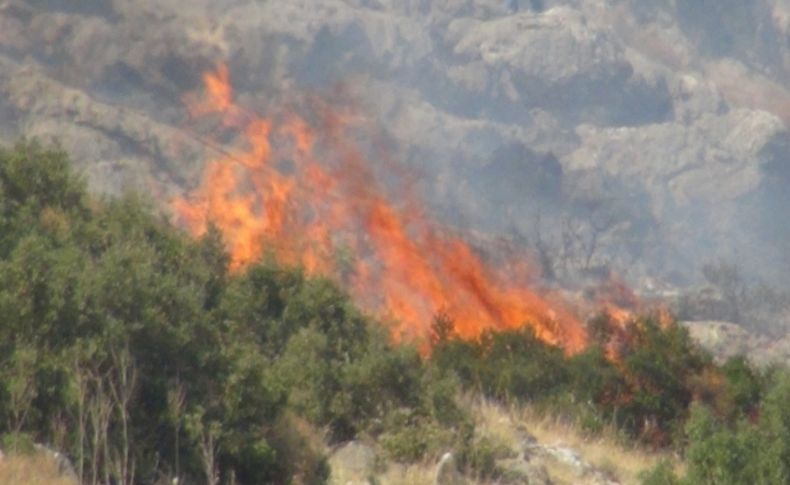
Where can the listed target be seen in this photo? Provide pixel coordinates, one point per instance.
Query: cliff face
(655, 129)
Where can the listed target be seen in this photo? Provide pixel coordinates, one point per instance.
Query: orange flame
(301, 188)
(219, 93)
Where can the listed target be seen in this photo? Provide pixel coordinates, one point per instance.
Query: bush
(410, 437)
(479, 458)
(743, 451)
(130, 345)
(18, 443)
(659, 365)
(717, 454)
(661, 474)
(594, 380)
(507, 365)
(743, 390)
(645, 390)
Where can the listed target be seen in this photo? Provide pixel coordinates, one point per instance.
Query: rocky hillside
(651, 135)
(531, 450)
(725, 339)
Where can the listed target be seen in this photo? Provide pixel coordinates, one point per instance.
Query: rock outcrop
(724, 340)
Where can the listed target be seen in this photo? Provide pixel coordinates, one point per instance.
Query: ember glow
(298, 186)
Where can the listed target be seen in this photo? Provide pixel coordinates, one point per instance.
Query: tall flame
(301, 188)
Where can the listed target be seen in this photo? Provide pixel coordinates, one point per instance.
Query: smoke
(644, 138)
(300, 187)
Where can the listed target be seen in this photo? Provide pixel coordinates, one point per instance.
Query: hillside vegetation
(127, 345)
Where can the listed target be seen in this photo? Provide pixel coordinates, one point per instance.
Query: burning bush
(130, 346)
(299, 185)
(134, 348)
(645, 388)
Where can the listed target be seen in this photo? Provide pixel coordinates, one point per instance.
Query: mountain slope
(669, 122)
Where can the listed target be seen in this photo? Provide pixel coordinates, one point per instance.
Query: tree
(20, 386)
(719, 455)
(205, 433)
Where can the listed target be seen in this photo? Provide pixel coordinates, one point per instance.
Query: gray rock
(727, 339)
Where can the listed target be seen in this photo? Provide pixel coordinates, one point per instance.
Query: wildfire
(299, 187)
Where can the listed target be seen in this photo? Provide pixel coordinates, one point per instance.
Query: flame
(219, 93)
(299, 186)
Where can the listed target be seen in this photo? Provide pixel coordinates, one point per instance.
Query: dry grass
(394, 474)
(31, 470)
(508, 427)
(605, 452)
(415, 474)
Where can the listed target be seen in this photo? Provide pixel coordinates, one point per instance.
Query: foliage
(128, 345)
(744, 387)
(660, 366)
(749, 449)
(717, 454)
(645, 391)
(661, 474)
(514, 364)
(18, 443)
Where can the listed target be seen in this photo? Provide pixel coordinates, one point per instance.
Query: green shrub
(661, 474)
(744, 451)
(478, 458)
(107, 297)
(19, 443)
(410, 437)
(596, 382)
(659, 366)
(743, 390)
(507, 365)
(717, 454)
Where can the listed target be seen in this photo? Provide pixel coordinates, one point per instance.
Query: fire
(299, 187)
(219, 93)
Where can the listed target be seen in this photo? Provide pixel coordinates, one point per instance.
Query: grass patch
(607, 450)
(35, 469)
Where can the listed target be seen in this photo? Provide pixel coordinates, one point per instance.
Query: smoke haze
(642, 137)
